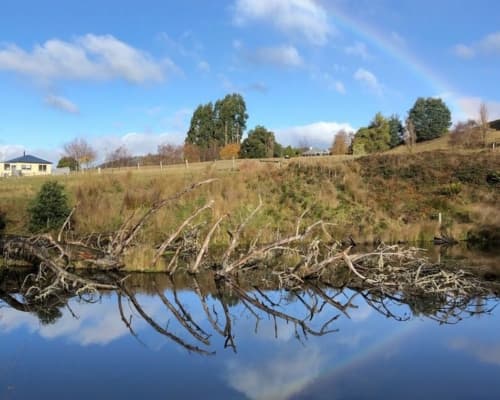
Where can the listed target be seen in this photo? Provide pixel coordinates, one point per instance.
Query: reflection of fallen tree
(316, 273)
(312, 308)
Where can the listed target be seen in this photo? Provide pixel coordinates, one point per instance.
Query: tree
(191, 152)
(202, 129)
(68, 162)
(119, 157)
(340, 143)
(374, 138)
(396, 131)
(49, 209)
(170, 153)
(215, 126)
(230, 119)
(466, 134)
(290, 152)
(81, 151)
(410, 137)
(484, 125)
(229, 151)
(260, 143)
(431, 118)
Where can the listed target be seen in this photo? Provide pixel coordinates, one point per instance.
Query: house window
(26, 167)
(6, 166)
(42, 168)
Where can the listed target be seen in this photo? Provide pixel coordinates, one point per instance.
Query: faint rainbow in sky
(399, 52)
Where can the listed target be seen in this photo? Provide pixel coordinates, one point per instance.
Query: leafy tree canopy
(396, 131)
(260, 143)
(69, 162)
(431, 118)
(374, 138)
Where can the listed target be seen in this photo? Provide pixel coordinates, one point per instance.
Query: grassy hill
(443, 143)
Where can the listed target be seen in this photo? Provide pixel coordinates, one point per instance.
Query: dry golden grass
(442, 143)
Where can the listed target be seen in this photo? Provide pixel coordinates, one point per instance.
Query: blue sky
(131, 73)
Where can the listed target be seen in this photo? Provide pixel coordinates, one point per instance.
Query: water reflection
(196, 312)
(316, 341)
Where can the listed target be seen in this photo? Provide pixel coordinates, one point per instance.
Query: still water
(195, 340)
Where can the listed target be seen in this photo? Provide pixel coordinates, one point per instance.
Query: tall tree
(340, 143)
(230, 119)
(431, 118)
(410, 137)
(396, 130)
(484, 125)
(260, 143)
(374, 138)
(81, 151)
(201, 132)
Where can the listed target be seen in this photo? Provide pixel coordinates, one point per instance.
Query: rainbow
(398, 52)
(378, 348)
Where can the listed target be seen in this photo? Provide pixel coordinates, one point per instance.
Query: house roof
(28, 159)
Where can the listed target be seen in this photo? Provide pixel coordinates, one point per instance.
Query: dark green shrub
(3, 220)
(49, 209)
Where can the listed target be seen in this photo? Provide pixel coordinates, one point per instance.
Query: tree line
(216, 130)
(428, 119)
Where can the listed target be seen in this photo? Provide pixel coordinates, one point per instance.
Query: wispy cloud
(89, 57)
(469, 107)
(61, 103)
(358, 49)
(488, 45)
(277, 378)
(204, 66)
(317, 133)
(488, 353)
(305, 18)
(368, 79)
(279, 56)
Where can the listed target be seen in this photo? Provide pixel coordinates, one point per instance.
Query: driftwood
(389, 274)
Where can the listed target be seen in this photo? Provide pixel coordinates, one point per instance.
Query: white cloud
(358, 49)
(306, 18)
(369, 79)
(280, 56)
(315, 134)
(89, 57)
(280, 377)
(339, 87)
(61, 104)
(137, 143)
(488, 353)
(469, 107)
(489, 44)
(463, 51)
(204, 66)
(328, 81)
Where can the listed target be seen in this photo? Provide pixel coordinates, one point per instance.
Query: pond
(194, 337)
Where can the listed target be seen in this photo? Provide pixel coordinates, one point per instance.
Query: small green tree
(49, 208)
(396, 130)
(375, 138)
(260, 143)
(431, 118)
(69, 162)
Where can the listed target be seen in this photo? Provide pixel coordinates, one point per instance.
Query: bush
(49, 209)
(3, 220)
